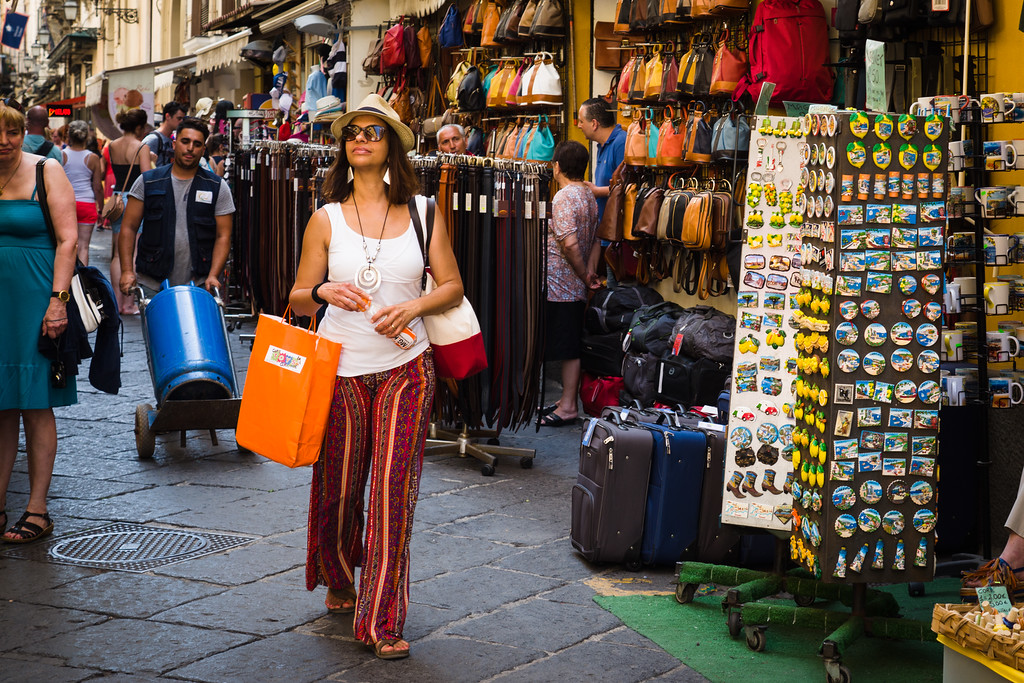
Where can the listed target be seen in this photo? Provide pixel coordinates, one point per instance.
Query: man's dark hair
(172, 108)
(194, 124)
(572, 158)
(596, 108)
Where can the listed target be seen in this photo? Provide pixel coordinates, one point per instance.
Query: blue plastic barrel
(188, 350)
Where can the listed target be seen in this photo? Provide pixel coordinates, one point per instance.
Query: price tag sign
(767, 88)
(997, 597)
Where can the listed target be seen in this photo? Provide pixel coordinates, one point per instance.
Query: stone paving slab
(434, 554)
(22, 624)
(598, 661)
(255, 513)
(490, 588)
(32, 670)
(505, 529)
(237, 566)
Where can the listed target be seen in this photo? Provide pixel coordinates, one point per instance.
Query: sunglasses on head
(374, 133)
(12, 103)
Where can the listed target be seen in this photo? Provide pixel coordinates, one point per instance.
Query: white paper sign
(874, 60)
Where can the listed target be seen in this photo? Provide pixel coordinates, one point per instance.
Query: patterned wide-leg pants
(377, 427)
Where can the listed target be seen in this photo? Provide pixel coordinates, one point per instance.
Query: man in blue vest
(185, 214)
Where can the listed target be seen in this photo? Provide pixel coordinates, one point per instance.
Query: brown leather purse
(610, 227)
(730, 66)
(646, 224)
(607, 56)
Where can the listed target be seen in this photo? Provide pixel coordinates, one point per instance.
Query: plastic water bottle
(405, 339)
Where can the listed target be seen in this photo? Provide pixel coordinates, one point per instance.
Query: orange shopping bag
(288, 392)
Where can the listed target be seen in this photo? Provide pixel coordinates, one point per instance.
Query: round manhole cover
(130, 546)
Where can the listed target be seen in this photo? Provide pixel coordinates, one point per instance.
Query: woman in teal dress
(34, 281)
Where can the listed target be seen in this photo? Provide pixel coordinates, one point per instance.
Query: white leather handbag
(541, 83)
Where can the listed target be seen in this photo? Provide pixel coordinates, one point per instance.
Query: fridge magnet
(847, 333)
(846, 525)
(905, 214)
(929, 391)
(870, 462)
(857, 563)
(893, 523)
(767, 433)
(852, 238)
(938, 185)
(851, 261)
(878, 562)
(755, 220)
(741, 437)
(932, 157)
(899, 561)
(883, 392)
(819, 207)
(750, 321)
(927, 334)
(921, 492)
(902, 360)
(843, 498)
(921, 556)
(771, 386)
(875, 334)
(848, 361)
(871, 492)
(774, 301)
(902, 333)
(907, 126)
(904, 261)
(863, 389)
(830, 182)
(829, 206)
(894, 184)
(904, 238)
(848, 309)
(877, 259)
(812, 181)
(924, 520)
(879, 213)
(856, 154)
(878, 187)
(933, 125)
(929, 260)
(813, 161)
(773, 320)
(766, 455)
(872, 440)
(753, 261)
(846, 187)
(911, 308)
(845, 449)
(844, 422)
(901, 417)
(869, 520)
(805, 153)
(924, 448)
(881, 154)
(849, 285)
(734, 508)
(747, 300)
(831, 124)
(843, 470)
(907, 284)
(933, 310)
(931, 283)
(926, 419)
(929, 237)
(896, 492)
(932, 212)
(752, 279)
(859, 124)
(928, 361)
(908, 156)
(844, 393)
(869, 417)
(896, 442)
(777, 282)
(744, 457)
(879, 283)
(769, 364)
(761, 511)
(874, 363)
(878, 238)
(883, 126)
(923, 186)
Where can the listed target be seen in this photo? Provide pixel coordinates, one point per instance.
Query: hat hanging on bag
(375, 105)
(203, 107)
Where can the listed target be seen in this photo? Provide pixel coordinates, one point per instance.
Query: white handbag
(541, 83)
(90, 307)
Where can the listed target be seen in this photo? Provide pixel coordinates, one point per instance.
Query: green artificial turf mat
(696, 634)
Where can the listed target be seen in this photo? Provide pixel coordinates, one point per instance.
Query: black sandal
(34, 531)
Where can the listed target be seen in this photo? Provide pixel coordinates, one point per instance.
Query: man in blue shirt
(37, 120)
(597, 121)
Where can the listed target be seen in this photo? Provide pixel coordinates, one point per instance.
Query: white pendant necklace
(368, 277)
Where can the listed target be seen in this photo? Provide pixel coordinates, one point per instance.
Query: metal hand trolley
(190, 363)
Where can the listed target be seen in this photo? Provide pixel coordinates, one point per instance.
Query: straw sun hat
(375, 105)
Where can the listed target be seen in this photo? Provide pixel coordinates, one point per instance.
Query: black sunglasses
(12, 103)
(373, 133)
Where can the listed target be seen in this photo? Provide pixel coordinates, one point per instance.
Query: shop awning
(285, 18)
(163, 76)
(221, 53)
(73, 102)
(415, 8)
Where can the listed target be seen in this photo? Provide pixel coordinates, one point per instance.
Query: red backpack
(789, 47)
(392, 57)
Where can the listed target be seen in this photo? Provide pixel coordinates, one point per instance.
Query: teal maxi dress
(26, 280)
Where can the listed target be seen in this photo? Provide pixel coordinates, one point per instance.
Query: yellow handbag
(686, 75)
(655, 70)
(498, 92)
(452, 91)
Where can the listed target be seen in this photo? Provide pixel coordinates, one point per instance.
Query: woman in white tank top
(84, 170)
(364, 246)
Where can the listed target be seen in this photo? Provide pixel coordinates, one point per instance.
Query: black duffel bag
(650, 331)
(611, 310)
(690, 382)
(602, 354)
(639, 374)
(706, 333)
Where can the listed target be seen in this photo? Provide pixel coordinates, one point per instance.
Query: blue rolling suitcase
(672, 518)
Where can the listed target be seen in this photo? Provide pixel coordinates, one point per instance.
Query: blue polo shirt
(609, 156)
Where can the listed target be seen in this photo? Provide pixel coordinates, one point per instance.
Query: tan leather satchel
(697, 222)
(636, 143)
(490, 25)
(606, 55)
(526, 20)
(647, 222)
(628, 206)
(425, 44)
(610, 227)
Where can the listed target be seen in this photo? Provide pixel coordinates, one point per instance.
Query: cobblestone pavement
(497, 592)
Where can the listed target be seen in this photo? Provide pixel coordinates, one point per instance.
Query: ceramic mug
(956, 155)
(952, 348)
(1018, 107)
(969, 108)
(952, 390)
(997, 298)
(946, 105)
(924, 106)
(968, 286)
(1000, 155)
(992, 200)
(1015, 201)
(1019, 333)
(995, 106)
(1018, 150)
(1005, 392)
(951, 298)
(997, 250)
(1002, 346)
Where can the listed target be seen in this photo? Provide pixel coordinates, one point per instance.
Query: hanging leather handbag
(622, 9)
(433, 124)
(696, 77)
(700, 8)
(638, 15)
(425, 46)
(452, 91)
(490, 25)
(729, 67)
(652, 133)
(646, 224)
(549, 21)
(636, 142)
(512, 96)
(624, 76)
(542, 84)
(371, 62)
(392, 58)
(509, 149)
(412, 48)
(698, 135)
(450, 33)
(607, 56)
(523, 139)
(655, 71)
(667, 12)
(499, 85)
(723, 7)
(480, 15)
(730, 136)
(501, 33)
(628, 209)
(488, 78)
(470, 94)
(514, 28)
(467, 21)
(638, 78)
(670, 140)
(610, 227)
(526, 19)
(697, 222)
(669, 79)
(542, 143)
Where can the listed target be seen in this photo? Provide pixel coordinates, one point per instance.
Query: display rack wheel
(633, 565)
(735, 623)
(230, 326)
(685, 592)
(803, 600)
(915, 589)
(526, 463)
(145, 439)
(242, 450)
(493, 441)
(844, 675)
(756, 638)
(487, 470)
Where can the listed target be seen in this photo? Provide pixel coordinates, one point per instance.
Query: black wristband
(317, 299)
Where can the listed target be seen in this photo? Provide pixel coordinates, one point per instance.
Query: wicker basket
(949, 621)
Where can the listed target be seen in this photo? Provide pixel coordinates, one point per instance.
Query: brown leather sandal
(341, 596)
(378, 649)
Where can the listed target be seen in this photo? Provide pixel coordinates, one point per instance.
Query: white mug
(1002, 346)
(991, 200)
(997, 250)
(952, 298)
(1000, 155)
(924, 106)
(1018, 107)
(967, 285)
(1018, 149)
(953, 390)
(956, 155)
(952, 348)
(1015, 201)
(997, 298)
(995, 106)
(1005, 392)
